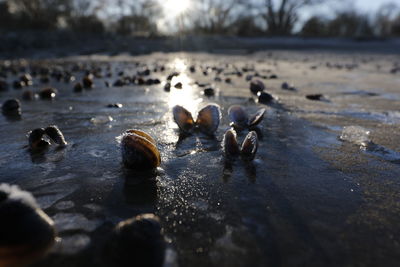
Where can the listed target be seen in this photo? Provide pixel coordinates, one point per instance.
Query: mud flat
(309, 198)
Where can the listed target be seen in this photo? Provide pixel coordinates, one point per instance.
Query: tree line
(204, 17)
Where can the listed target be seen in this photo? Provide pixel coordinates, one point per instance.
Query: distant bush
(314, 27)
(86, 24)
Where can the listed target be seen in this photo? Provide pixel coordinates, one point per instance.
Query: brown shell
(208, 119)
(250, 146)
(238, 117)
(139, 151)
(56, 135)
(231, 147)
(257, 118)
(27, 233)
(183, 119)
(138, 241)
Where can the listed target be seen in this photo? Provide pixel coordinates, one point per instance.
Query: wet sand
(308, 198)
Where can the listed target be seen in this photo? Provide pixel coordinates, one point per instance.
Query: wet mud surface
(307, 199)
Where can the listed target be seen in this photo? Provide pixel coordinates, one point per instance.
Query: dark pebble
(256, 86)
(48, 93)
(209, 91)
(18, 84)
(172, 75)
(78, 88)
(315, 97)
(119, 83)
(115, 105)
(87, 81)
(167, 87)
(178, 85)
(11, 106)
(264, 97)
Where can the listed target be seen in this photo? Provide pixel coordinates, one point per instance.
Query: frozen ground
(309, 198)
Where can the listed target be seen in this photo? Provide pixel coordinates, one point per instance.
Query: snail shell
(139, 150)
(26, 232)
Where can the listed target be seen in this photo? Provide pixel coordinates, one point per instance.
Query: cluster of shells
(139, 149)
(142, 235)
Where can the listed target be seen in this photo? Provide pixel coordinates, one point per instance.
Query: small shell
(56, 135)
(27, 233)
(48, 93)
(257, 118)
(139, 151)
(231, 147)
(208, 119)
(138, 241)
(250, 146)
(35, 139)
(11, 106)
(183, 119)
(238, 117)
(256, 86)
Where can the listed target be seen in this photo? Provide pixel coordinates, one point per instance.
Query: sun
(175, 8)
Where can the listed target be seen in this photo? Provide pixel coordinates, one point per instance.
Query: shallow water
(307, 198)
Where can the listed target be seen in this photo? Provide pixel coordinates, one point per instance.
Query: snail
(139, 150)
(26, 232)
(207, 120)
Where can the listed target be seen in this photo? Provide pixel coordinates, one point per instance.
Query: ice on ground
(64, 205)
(73, 244)
(69, 221)
(355, 134)
(50, 195)
(101, 119)
(171, 258)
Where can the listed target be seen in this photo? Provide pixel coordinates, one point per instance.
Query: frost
(355, 134)
(101, 119)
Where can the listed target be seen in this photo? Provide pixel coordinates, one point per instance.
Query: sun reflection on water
(186, 96)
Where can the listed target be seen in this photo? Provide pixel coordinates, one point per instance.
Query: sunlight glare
(175, 8)
(186, 96)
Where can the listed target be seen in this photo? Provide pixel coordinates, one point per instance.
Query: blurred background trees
(204, 17)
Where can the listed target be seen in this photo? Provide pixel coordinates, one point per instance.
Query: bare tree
(39, 14)
(141, 19)
(281, 16)
(384, 19)
(214, 16)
